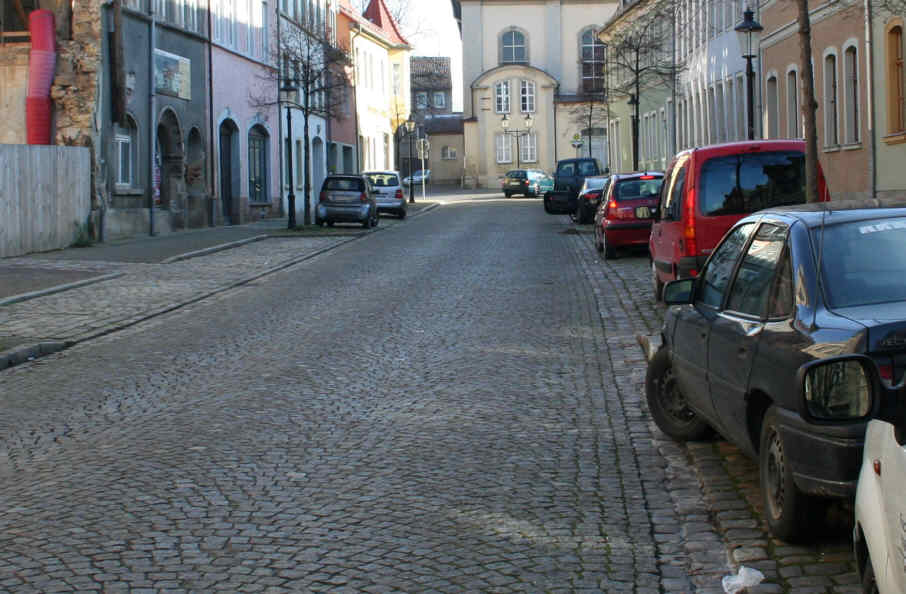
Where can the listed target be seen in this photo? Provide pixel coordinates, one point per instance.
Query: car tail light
(646, 177)
(363, 197)
(611, 207)
(886, 372)
(322, 197)
(399, 194)
(593, 195)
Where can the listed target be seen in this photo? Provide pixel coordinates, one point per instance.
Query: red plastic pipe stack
(42, 63)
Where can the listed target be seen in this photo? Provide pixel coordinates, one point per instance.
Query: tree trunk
(306, 166)
(809, 105)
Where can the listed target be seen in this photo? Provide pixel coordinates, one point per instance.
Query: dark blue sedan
(784, 287)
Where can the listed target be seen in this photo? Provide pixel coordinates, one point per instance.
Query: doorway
(229, 168)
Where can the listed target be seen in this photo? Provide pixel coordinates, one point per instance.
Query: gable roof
(378, 14)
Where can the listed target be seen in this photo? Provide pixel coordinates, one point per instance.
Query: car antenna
(824, 211)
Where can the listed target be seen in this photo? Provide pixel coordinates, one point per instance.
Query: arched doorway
(258, 150)
(171, 160)
(229, 169)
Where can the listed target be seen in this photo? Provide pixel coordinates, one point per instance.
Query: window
(125, 144)
(753, 283)
(780, 304)
(513, 49)
(258, 164)
(851, 93)
(528, 148)
(592, 62)
(448, 153)
(717, 273)
(440, 100)
(793, 130)
(673, 194)
(397, 79)
(527, 96)
(831, 137)
(504, 148)
(747, 182)
(773, 112)
(896, 104)
(502, 97)
(421, 100)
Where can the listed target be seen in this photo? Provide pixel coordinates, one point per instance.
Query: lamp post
(290, 86)
(410, 128)
(505, 124)
(748, 33)
(634, 103)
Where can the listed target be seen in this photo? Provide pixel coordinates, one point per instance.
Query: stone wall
(13, 89)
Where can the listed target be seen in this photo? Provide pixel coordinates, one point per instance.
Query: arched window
(792, 105)
(258, 138)
(773, 112)
(513, 48)
(125, 143)
(831, 136)
(592, 62)
(851, 94)
(896, 81)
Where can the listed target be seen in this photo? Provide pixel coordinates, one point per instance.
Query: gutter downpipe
(355, 96)
(213, 167)
(152, 116)
(870, 91)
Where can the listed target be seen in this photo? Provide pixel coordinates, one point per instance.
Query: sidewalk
(53, 300)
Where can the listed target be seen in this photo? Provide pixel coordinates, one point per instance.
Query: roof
(432, 65)
(840, 211)
(378, 14)
(444, 124)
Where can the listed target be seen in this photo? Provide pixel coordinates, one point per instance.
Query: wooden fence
(45, 197)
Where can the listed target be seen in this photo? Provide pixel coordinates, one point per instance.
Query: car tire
(547, 207)
(790, 513)
(610, 252)
(869, 582)
(668, 405)
(598, 245)
(507, 194)
(657, 284)
(330, 223)
(401, 214)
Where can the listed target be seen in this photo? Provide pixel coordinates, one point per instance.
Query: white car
(388, 192)
(879, 536)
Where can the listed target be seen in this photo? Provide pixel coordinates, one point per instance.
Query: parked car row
(360, 198)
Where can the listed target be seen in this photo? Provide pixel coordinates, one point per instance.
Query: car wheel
(598, 245)
(547, 207)
(789, 511)
(402, 214)
(869, 583)
(657, 284)
(330, 223)
(507, 194)
(668, 405)
(610, 252)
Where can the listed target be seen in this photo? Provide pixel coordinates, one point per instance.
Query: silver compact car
(347, 199)
(389, 193)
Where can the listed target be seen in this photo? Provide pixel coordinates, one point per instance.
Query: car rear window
(634, 189)
(348, 184)
(588, 168)
(862, 262)
(744, 183)
(516, 175)
(382, 180)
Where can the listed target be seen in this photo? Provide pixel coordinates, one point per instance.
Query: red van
(707, 189)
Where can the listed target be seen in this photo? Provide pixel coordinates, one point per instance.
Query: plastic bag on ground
(745, 578)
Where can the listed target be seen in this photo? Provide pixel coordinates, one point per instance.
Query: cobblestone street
(453, 405)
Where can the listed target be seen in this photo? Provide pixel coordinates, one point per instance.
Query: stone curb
(59, 288)
(25, 353)
(213, 249)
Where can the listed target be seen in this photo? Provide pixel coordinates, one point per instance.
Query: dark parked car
(589, 198)
(785, 288)
(623, 218)
(347, 199)
(568, 180)
(528, 182)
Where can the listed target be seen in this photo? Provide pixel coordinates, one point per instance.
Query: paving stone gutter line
(29, 352)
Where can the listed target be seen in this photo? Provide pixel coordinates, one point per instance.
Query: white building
(540, 59)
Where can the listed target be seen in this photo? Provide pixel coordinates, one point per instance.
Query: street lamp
(290, 86)
(505, 124)
(748, 33)
(634, 103)
(410, 128)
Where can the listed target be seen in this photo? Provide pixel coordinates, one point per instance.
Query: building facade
(540, 64)
(887, 87)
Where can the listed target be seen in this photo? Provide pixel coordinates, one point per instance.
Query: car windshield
(516, 174)
(382, 180)
(634, 189)
(744, 183)
(344, 184)
(862, 262)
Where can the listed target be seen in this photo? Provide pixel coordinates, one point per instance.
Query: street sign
(424, 147)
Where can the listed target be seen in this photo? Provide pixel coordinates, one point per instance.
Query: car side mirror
(679, 292)
(844, 389)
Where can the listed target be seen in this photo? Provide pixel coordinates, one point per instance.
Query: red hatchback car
(623, 218)
(708, 189)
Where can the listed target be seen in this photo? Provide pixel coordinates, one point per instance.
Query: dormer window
(514, 49)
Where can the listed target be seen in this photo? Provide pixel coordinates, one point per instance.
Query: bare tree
(590, 110)
(809, 105)
(312, 77)
(640, 58)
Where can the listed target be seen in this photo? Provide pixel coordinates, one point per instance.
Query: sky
(439, 36)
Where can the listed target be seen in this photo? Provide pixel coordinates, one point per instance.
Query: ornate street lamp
(505, 124)
(290, 86)
(410, 128)
(748, 33)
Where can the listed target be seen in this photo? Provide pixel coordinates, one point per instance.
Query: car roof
(745, 146)
(634, 174)
(380, 173)
(840, 211)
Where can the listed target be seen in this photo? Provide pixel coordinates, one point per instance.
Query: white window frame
(504, 148)
(125, 138)
(851, 108)
(528, 148)
(502, 98)
(443, 100)
(421, 100)
(831, 98)
(527, 96)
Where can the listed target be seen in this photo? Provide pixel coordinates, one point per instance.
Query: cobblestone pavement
(454, 406)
